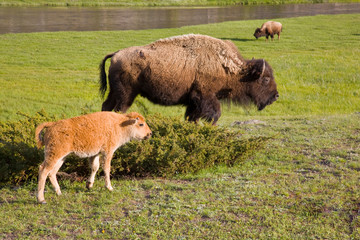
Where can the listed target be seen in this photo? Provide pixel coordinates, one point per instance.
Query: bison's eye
(266, 80)
(141, 124)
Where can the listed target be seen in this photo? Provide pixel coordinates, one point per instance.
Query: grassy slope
(305, 185)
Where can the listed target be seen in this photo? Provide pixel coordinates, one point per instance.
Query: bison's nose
(276, 96)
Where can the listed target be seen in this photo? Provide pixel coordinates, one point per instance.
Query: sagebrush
(176, 147)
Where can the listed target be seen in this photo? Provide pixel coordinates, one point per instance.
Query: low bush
(180, 147)
(176, 147)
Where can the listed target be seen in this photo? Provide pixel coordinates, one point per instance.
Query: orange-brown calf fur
(93, 135)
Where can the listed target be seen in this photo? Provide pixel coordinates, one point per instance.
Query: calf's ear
(128, 122)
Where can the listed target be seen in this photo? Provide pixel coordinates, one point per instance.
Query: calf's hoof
(89, 185)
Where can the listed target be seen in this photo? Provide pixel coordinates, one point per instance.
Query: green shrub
(19, 157)
(176, 147)
(180, 147)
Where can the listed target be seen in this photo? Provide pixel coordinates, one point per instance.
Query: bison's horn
(263, 68)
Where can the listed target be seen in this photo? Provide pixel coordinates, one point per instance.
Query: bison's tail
(38, 137)
(102, 81)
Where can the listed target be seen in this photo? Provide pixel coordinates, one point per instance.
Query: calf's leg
(52, 176)
(107, 162)
(94, 165)
(44, 170)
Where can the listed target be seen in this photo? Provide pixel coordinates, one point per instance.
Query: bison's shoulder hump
(200, 45)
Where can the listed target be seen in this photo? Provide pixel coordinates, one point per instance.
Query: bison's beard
(261, 106)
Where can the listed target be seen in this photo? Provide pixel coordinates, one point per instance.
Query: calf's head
(139, 130)
(261, 87)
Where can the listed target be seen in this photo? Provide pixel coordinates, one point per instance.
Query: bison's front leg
(206, 107)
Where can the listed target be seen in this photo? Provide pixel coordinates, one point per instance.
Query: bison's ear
(128, 122)
(255, 70)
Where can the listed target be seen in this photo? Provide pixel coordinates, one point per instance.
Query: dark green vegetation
(153, 3)
(176, 147)
(303, 185)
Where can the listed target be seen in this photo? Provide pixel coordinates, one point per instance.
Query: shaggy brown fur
(192, 70)
(269, 28)
(90, 135)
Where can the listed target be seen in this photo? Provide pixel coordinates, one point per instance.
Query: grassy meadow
(316, 68)
(303, 185)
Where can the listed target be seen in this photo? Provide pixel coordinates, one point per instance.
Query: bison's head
(258, 33)
(261, 87)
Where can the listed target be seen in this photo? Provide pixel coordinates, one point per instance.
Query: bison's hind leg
(119, 99)
(109, 103)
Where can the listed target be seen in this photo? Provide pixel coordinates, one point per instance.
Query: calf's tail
(39, 139)
(102, 81)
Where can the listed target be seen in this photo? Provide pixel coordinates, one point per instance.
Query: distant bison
(191, 70)
(269, 29)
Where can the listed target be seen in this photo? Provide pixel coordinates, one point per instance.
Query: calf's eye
(141, 124)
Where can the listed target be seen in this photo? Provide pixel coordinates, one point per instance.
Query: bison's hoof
(89, 185)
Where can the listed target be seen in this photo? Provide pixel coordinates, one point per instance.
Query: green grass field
(316, 68)
(304, 185)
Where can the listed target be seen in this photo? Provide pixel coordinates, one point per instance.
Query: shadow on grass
(239, 39)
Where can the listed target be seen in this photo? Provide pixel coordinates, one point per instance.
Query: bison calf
(269, 28)
(92, 135)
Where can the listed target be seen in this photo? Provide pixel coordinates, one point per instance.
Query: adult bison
(269, 28)
(191, 70)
